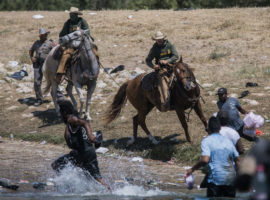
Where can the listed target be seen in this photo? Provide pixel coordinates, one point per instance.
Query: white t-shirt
(230, 133)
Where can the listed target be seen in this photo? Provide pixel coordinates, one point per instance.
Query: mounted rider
(73, 24)
(165, 54)
(162, 51)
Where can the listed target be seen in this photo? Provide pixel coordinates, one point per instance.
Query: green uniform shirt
(165, 52)
(70, 27)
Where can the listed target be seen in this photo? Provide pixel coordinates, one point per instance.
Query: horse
(87, 62)
(185, 93)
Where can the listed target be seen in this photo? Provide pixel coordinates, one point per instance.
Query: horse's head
(74, 39)
(184, 75)
(164, 81)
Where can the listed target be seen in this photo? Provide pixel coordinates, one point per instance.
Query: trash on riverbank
(102, 150)
(137, 159)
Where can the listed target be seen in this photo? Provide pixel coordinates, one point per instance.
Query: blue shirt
(232, 106)
(221, 152)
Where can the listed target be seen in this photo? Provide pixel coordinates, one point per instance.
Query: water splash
(77, 181)
(139, 191)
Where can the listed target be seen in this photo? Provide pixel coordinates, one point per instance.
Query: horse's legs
(78, 88)
(141, 121)
(69, 92)
(135, 130)
(54, 97)
(181, 116)
(90, 90)
(198, 110)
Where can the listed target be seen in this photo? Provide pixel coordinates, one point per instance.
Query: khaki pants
(67, 54)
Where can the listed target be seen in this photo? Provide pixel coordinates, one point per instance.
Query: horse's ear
(192, 69)
(181, 60)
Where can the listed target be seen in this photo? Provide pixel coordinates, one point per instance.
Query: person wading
(79, 138)
(41, 49)
(74, 23)
(218, 152)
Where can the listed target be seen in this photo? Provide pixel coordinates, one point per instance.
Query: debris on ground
(39, 185)
(250, 84)
(102, 150)
(137, 159)
(118, 69)
(37, 16)
(19, 75)
(7, 184)
(243, 94)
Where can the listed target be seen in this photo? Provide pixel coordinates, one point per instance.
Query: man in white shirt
(229, 132)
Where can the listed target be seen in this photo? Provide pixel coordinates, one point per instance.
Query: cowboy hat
(158, 36)
(43, 31)
(75, 10)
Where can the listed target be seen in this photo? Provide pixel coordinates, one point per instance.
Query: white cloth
(230, 133)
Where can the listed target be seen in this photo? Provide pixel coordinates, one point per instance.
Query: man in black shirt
(79, 138)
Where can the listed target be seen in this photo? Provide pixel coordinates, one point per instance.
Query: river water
(27, 164)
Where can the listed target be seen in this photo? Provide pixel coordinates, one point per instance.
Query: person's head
(74, 14)
(159, 37)
(66, 109)
(222, 94)
(43, 34)
(223, 117)
(213, 125)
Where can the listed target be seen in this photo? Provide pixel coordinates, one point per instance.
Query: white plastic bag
(253, 121)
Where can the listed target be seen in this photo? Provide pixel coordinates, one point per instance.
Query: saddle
(58, 53)
(149, 81)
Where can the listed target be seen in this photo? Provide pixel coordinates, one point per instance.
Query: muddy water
(25, 163)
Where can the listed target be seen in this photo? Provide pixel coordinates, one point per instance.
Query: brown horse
(185, 93)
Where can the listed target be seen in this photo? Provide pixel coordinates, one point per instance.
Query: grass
(35, 137)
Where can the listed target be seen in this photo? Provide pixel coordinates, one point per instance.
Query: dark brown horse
(185, 93)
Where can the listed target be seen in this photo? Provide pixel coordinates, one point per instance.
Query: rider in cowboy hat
(162, 51)
(74, 23)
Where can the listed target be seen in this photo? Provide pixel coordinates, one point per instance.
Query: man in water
(79, 138)
(218, 153)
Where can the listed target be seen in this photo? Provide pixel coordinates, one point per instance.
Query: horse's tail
(118, 103)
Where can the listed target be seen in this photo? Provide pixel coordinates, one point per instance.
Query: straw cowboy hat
(43, 31)
(158, 36)
(75, 10)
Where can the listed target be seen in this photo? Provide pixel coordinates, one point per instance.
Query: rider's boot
(60, 74)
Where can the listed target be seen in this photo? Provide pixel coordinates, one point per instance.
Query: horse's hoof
(155, 142)
(130, 142)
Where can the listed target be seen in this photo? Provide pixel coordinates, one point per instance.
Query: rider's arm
(174, 56)
(64, 30)
(80, 122)
(150, 58)
(85, 26)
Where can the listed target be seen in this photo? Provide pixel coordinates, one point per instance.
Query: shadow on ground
(48, 117)
(30, 101)
(163, 151)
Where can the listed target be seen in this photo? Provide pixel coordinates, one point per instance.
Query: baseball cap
(222, 91)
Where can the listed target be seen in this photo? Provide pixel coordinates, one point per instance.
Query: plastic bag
(253, 121)
(189, 181)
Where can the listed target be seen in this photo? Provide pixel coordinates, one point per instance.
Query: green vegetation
(125, 4)
(54, 139)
